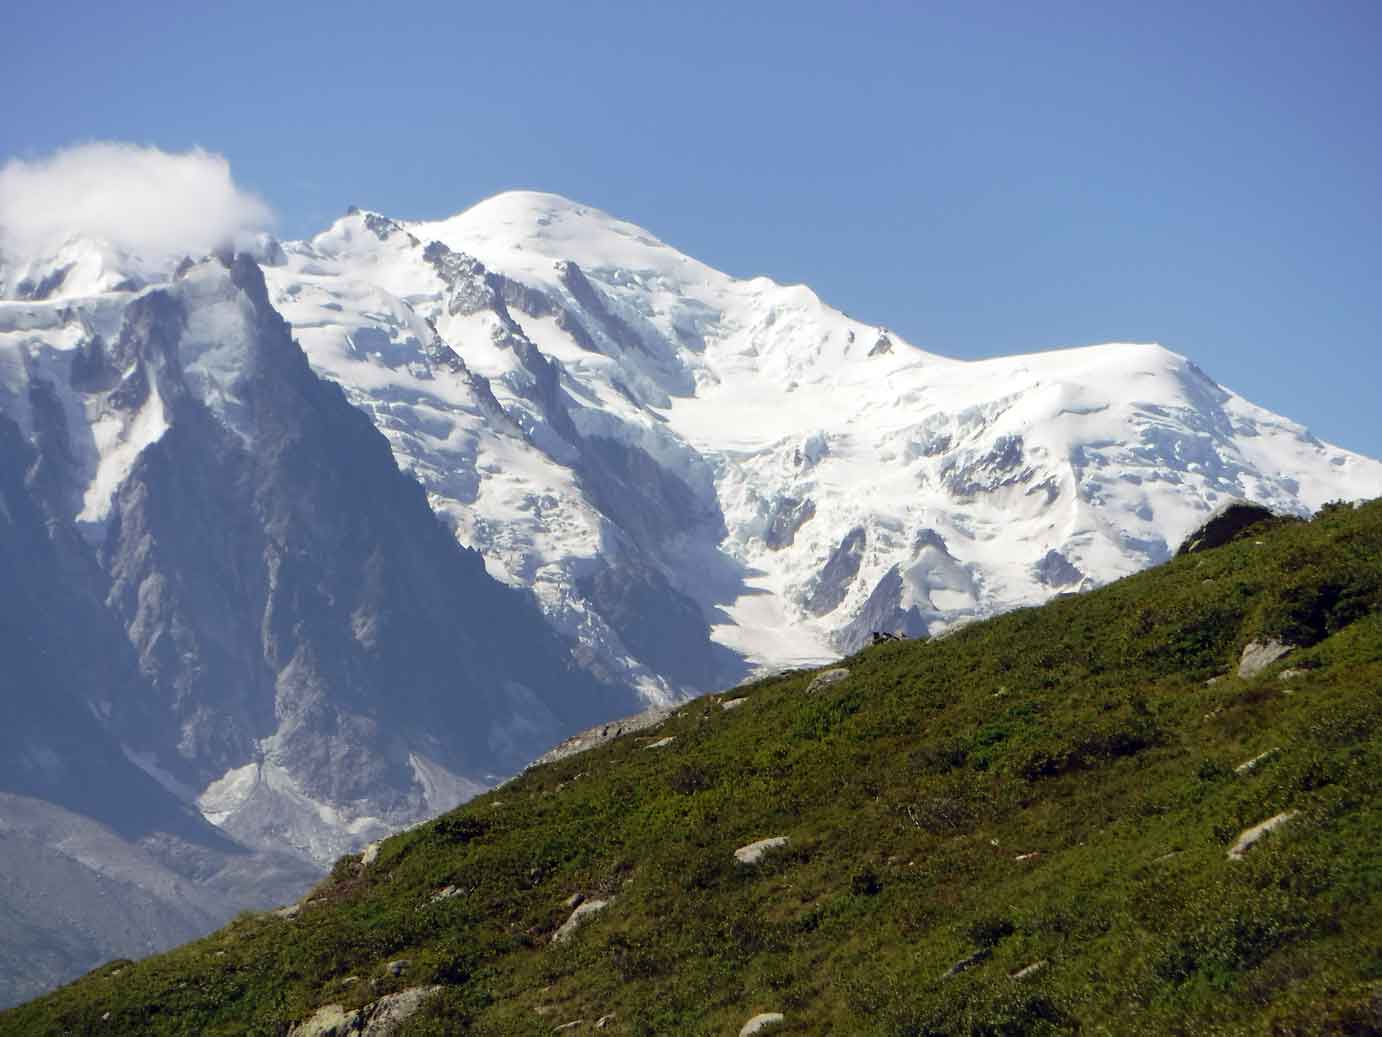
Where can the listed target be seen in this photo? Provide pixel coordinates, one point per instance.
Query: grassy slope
(1082, 732)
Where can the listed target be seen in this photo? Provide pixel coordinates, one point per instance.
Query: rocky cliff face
(99, 859)
(319, 661)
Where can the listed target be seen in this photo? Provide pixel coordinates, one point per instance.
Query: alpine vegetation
(1077, 818)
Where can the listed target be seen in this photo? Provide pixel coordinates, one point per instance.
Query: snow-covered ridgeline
(846, 480)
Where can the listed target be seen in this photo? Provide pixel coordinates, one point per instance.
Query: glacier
(827, 477)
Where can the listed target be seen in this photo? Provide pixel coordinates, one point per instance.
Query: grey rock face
(788, 516)
(85, 832)
(883, 611)
(275, 573)
(1055, 570)
(573, 279)
(1226, 525)
(882, 346)
(1004, 464)
(837, 575)
(661, 626)
(53, 685)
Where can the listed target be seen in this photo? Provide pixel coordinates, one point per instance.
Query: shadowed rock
(1226, 525)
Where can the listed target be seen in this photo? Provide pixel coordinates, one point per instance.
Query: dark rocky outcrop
(284, 578)
(883, 612)
(788, 516)
(1227, 524)
(662, 627)
(1055, 570)
(1004, 464)
(836, 577)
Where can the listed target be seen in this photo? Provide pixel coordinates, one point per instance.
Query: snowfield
(940, 489)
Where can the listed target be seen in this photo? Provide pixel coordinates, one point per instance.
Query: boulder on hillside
(1226, 525)
(578, 918)
(1258, 655)
(761, 1022)
(826, 679)
(380, 1018)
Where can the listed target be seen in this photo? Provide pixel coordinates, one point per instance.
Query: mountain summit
(791, 478)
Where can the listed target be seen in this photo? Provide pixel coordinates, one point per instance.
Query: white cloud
(142, 200)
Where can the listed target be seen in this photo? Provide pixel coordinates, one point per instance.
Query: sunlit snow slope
(632, 433)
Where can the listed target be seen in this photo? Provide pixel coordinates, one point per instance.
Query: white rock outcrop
(1250, 837)
(761, 1022)
(578, 918)
(826, 679)
(379, 1018)
(1258, 655)
(754, 852)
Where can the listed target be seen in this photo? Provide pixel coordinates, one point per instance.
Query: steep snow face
(809, 478)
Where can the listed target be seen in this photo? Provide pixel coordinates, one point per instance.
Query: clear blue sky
(984, 178)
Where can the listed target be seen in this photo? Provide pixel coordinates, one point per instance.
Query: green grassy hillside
(1058, 785)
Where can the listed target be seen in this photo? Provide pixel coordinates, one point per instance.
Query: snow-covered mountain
(689, 476)
(317, 660)
(612, 423)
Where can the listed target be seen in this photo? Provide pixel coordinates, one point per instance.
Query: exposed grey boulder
(762, 1021)
(1260, 758)
(445, 893)
(602, 733)
(753, 853)
(1225, 525)
(965, 964)
(1258, 655)
(1250, 837)
(826, 679)
(578, 918)
(380, 1018)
